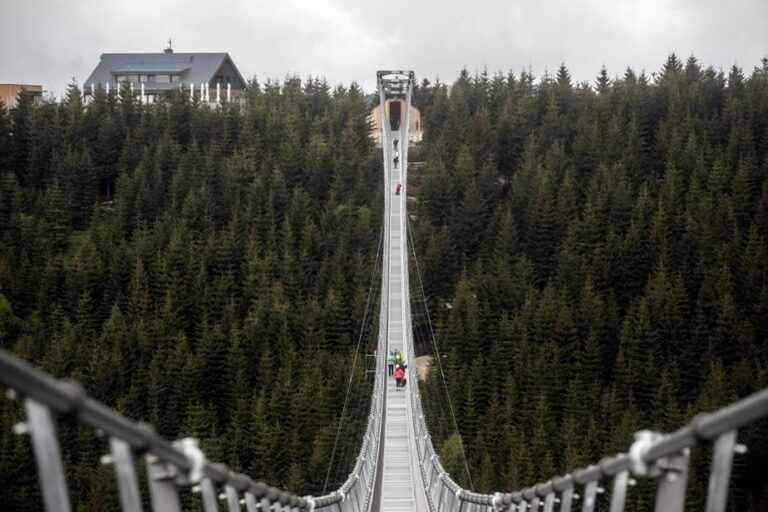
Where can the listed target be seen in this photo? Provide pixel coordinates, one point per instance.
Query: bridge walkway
(402, 486)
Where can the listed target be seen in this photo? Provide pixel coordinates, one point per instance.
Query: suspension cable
(437, 351)
(354, 360)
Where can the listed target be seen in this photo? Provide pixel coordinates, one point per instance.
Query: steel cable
(437, 351)
(374, 273)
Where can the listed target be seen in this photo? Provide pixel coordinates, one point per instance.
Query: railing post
(122, 458)
(233, 500)
(441, 497)
(162, 485)
(209, 495)
(549, 502)
(42, 429)
(670, 496)
(357, 488)
(619, 492)
(250, 502)
(452, 499)
(720, 471)
(590, 495)
(566, 500)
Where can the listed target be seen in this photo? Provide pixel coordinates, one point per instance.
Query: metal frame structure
(182, 466)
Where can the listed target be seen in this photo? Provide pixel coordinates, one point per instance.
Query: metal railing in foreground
(653, 455)
(171, 467)
(663, 457)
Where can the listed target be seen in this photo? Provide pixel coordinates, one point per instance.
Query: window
(162, 79)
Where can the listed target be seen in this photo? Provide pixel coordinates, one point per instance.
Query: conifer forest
(594, 261)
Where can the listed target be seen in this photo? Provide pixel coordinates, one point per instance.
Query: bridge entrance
(395, 113)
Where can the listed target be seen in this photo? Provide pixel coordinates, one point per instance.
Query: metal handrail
(171, 466)
(663, 457)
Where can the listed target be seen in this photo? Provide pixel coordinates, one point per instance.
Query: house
(9, 93)
(211, 77)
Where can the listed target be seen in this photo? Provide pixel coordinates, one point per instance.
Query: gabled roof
(193, 67)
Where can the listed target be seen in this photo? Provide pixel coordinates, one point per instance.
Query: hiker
(395, 143)
(397, 189)
(397, 159)
(399, 373)
(391, 363)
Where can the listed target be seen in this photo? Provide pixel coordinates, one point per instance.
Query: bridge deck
(402, 488)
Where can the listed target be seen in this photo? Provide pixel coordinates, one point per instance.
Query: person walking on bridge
(397, 189)
(399, 374)
(391, 363)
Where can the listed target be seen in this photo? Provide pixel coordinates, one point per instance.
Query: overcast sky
(49, 41)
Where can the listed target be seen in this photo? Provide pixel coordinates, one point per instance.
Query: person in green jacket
(391, 362)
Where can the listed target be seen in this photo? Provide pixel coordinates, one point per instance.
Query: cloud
(48, 42)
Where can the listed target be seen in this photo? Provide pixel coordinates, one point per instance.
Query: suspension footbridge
(397, 468)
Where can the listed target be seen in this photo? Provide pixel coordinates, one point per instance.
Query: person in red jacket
(399, 374)
(397, 190)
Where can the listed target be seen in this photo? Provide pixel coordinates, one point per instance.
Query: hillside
(204, 271)
(595, 262)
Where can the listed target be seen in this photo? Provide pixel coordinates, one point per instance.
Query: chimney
(169, 49)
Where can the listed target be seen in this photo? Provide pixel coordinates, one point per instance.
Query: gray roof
(192, 67)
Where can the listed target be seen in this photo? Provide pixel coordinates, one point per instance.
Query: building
(9, 93)
(212, 77)
(415, 129)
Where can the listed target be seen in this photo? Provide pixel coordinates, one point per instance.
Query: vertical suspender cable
(437, 352)
(354, 361)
